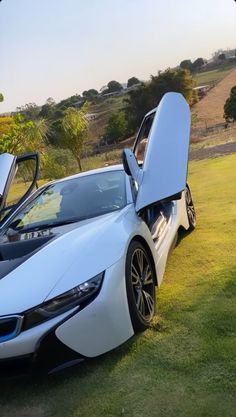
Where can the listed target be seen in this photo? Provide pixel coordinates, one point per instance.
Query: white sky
(56, 48)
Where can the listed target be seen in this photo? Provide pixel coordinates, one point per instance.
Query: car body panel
(166, 157)
(7, 170)
(26, 342)
(35, 279)
(87, 331)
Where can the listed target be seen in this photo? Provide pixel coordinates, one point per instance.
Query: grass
(185, 364)
(214, 76)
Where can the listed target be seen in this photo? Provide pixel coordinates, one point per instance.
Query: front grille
(9, 327)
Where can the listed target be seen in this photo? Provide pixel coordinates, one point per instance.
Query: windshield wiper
(45, 225)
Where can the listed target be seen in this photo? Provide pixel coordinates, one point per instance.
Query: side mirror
(131, 166)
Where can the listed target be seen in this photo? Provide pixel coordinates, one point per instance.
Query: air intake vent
(9, 327)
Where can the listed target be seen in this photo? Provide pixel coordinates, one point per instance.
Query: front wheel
(140, 286)
(191, 213)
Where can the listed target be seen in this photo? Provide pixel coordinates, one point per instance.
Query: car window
(143, 137)
(21, 181)
(72, 200)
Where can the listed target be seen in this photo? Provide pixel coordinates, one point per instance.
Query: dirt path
(212, 152)
(209, 111)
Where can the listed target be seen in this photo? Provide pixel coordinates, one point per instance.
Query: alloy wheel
(143, 284)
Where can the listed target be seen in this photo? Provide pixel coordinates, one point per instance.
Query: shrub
(116, 129)
(57, 163)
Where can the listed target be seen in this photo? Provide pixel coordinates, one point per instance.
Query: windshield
(73, 200)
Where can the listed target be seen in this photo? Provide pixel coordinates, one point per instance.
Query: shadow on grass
(40, 383)
(182, 234)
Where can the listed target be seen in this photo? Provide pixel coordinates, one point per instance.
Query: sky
(57, 48)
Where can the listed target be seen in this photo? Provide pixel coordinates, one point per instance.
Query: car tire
(140, 286)
(191, 212)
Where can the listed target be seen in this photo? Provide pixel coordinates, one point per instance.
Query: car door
(28, 167)
(163, 172)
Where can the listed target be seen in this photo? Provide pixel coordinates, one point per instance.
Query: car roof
(118, 167)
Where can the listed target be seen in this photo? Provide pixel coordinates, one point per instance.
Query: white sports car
(80, 257)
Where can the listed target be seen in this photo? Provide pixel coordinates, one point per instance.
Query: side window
(21, 182)
(143, 136)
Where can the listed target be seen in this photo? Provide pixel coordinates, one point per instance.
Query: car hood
(72, 258)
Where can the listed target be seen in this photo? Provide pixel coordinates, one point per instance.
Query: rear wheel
(140, 286)
(191, 213)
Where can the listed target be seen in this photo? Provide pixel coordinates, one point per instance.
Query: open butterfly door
(28, 167)
(163, 173)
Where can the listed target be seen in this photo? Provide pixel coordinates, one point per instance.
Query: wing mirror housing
(131, 166)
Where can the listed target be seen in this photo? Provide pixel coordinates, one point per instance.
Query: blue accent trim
(17, 330)
(8, 337)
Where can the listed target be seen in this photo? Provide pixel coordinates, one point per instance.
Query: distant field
(105, 108)
(208, 112)
(216, 137)
(213, 77)
(184, 366)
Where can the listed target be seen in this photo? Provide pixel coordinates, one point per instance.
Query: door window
(21, 182)
(143, 137)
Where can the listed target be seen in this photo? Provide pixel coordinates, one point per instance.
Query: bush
(116, 129)
(58, 163)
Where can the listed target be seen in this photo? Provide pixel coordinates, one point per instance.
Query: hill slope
(209, 111)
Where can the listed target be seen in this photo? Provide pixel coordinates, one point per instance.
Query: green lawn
(214, 76)
(184, 366)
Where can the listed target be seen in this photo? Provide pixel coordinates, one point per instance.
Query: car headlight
(76, 297)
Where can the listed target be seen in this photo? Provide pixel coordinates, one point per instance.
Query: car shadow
(182, 234)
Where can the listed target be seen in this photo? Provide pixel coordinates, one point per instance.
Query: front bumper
(100, 326)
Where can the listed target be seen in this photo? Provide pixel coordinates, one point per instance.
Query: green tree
(75, 127)
(1, 97)
(230, 106)
(30, 111)
(197, 64)
(24, 136)
(186, 64)
(57, 163)
(48, 109)
(148, 96)
(90, 95)
(114, 86)
(222, 57)
(132, 81)
(116, 128)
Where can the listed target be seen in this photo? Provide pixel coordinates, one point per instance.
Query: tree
(24, 136)
(30, 111)
(75, 126)
(90, 95)
(197, 64)
(186, 64)
(132, 81)
(230, 106)
(48, 109)
(1, 97)
(148, 96)
(114, 86)
(116, 128)
(222, 57)
(5, 124)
